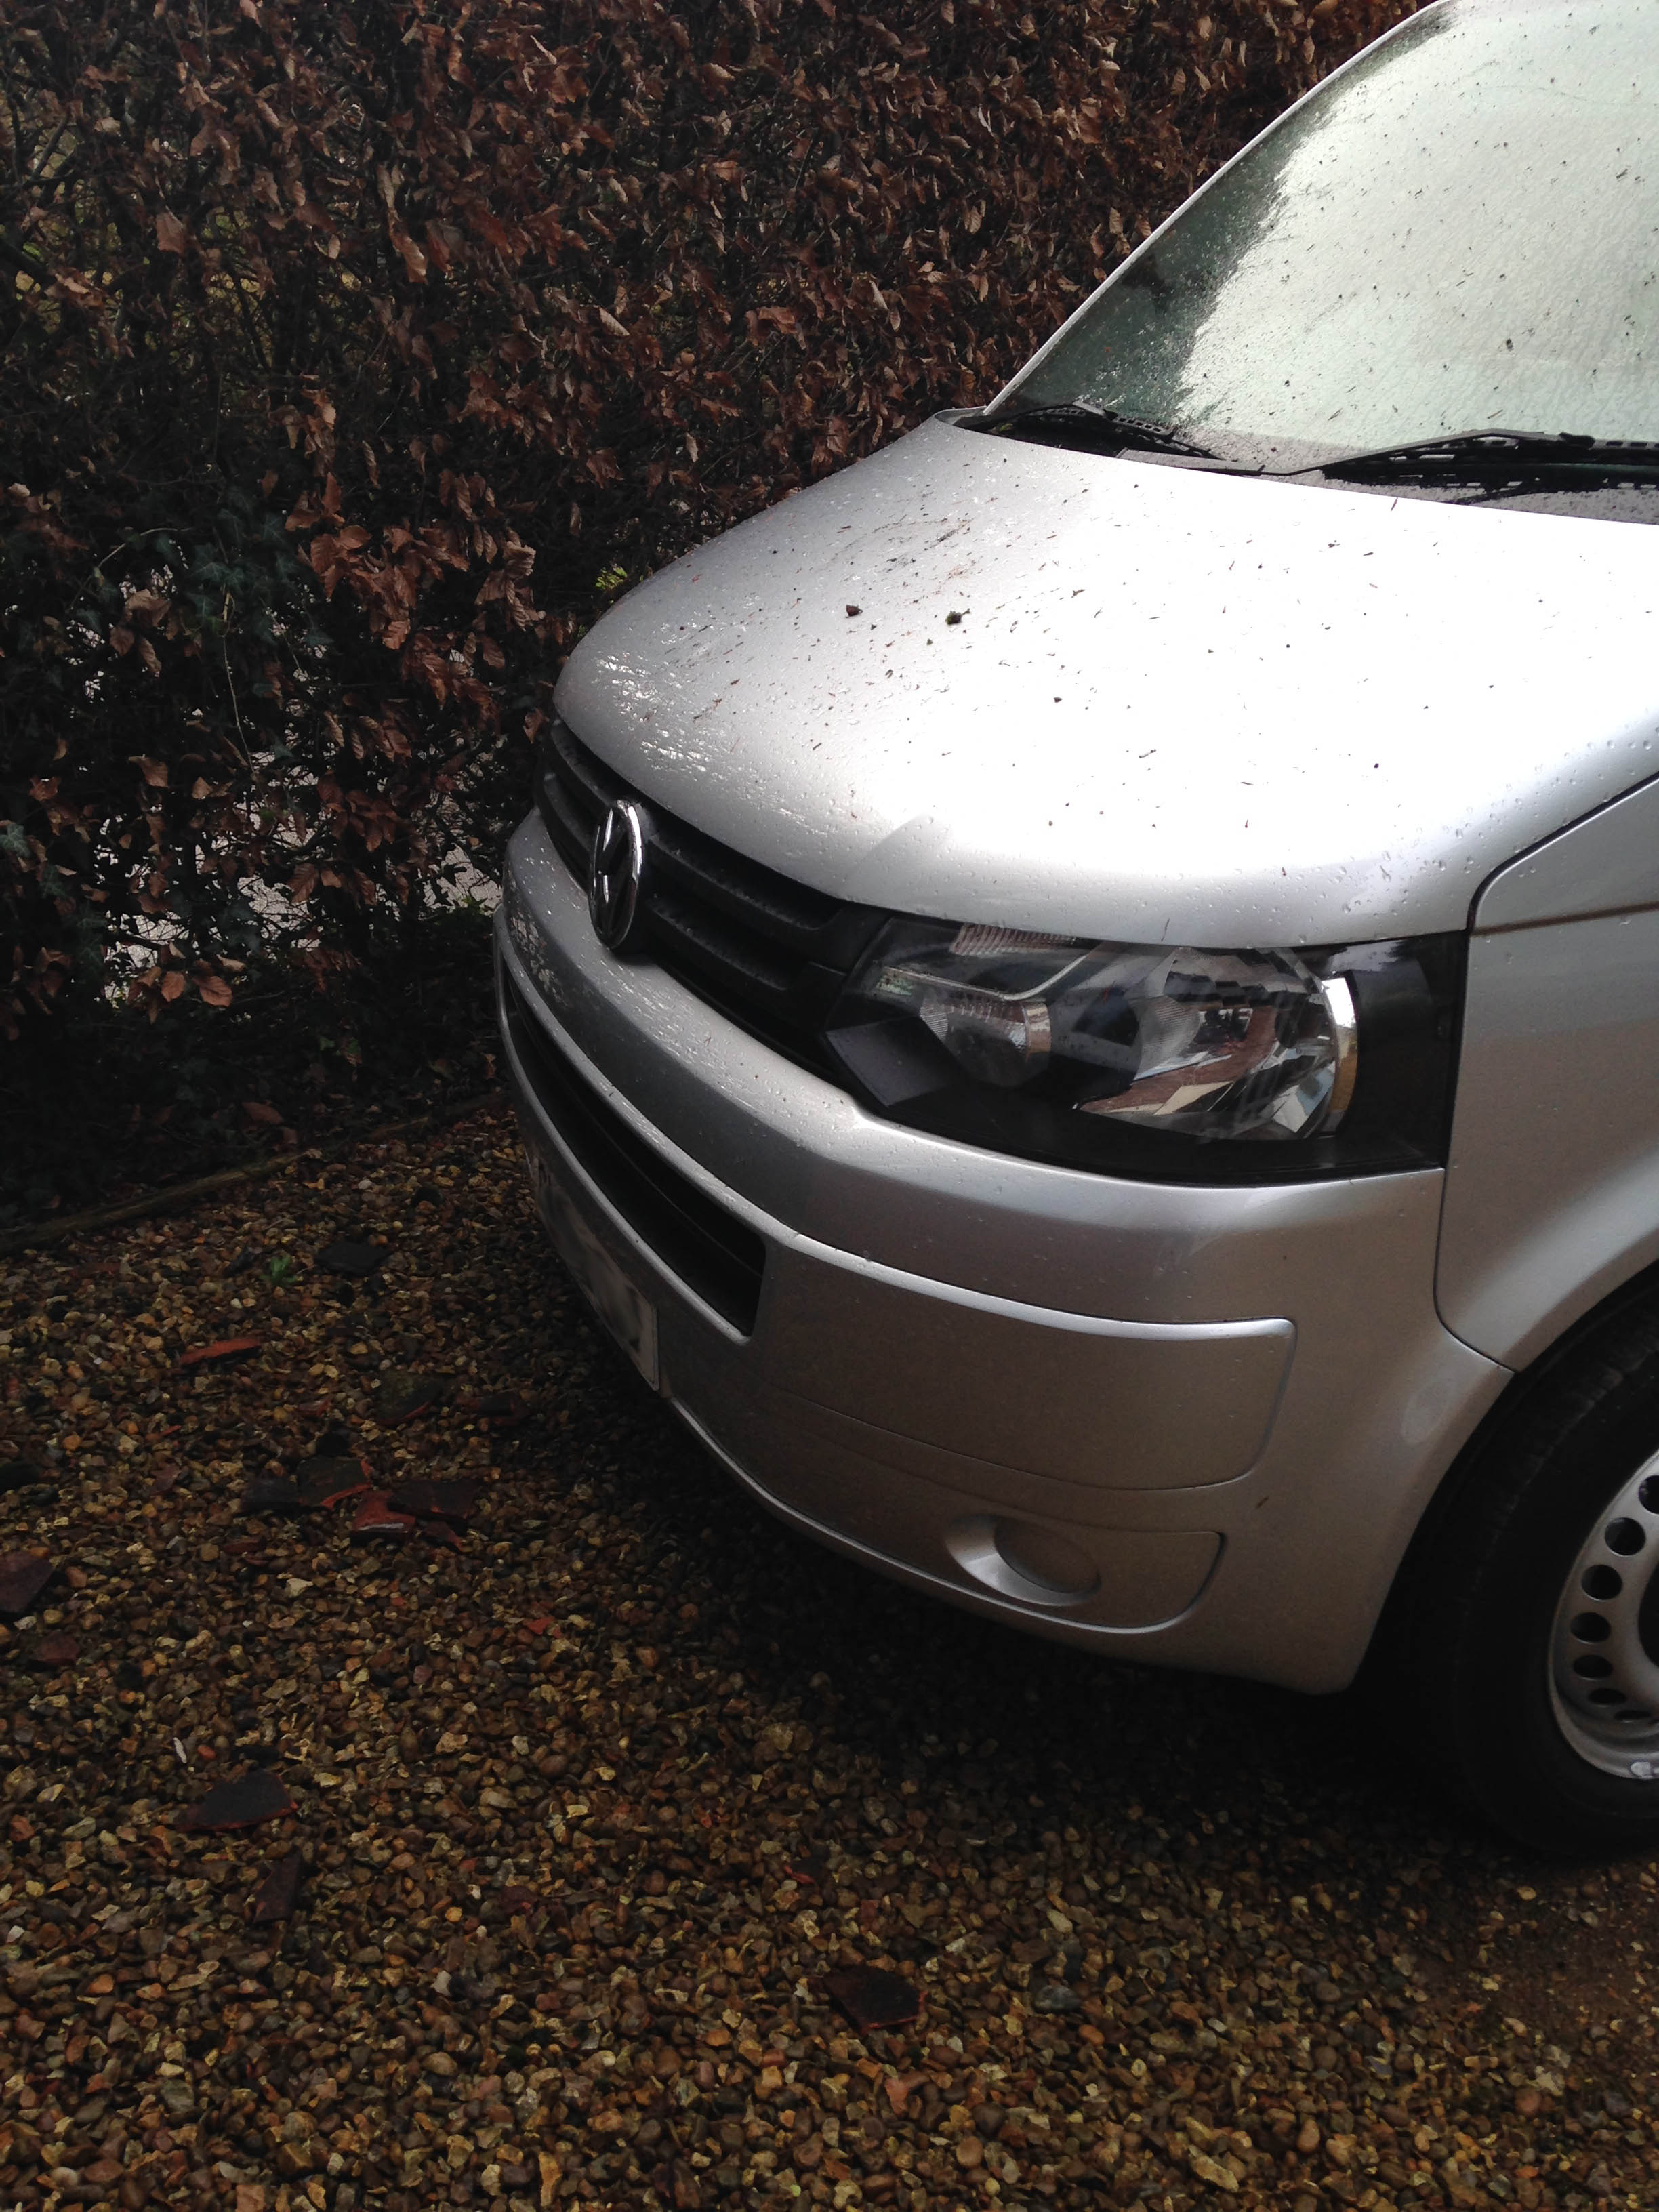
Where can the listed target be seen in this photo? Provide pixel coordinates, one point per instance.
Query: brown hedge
(356, 353)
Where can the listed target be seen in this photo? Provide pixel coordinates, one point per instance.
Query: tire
(1520, 1650)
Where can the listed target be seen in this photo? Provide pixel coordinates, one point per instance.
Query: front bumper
(1193, 1424)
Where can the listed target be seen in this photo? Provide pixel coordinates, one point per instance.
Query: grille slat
(704, 872)
(769, 953)
(710, 1251)
(683, 930)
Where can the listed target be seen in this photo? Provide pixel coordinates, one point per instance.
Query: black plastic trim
(776, 957)
(770, 954)
(1408, 996)
(709, 1249)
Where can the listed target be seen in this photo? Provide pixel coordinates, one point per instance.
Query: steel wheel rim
(1604, 1645)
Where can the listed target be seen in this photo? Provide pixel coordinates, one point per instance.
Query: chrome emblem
(615, 872)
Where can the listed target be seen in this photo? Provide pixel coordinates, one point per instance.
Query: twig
(230, 681)
(179, 1195)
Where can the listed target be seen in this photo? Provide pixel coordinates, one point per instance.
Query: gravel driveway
(593, 1790)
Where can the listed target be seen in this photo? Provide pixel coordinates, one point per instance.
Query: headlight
(1171, 1062)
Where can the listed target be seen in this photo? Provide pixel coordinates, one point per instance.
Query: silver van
(1085, 995)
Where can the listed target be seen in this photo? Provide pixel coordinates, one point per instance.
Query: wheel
(1521, 1648)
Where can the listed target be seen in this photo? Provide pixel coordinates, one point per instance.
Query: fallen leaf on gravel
(320, 1483)
(401, 1397)
(376, 1518)
(276, 1895)
(271, 1494)
(871, 1997)
(346, 1257)
(23, 1575)
(456, 1500)
(252, 1797)
(432, 1531)
(227, 1347)
(55, 1651)
(899, 2086)
(502, 1409)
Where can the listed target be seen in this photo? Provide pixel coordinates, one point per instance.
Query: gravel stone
(588, 1816)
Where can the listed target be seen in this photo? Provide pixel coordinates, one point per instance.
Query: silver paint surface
(1145, 1579)
(1608, 864)
(1177, 707)
(1552, 1186)
(799, 1150)
(887, 1238)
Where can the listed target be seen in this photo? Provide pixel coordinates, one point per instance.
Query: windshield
(1462, 233)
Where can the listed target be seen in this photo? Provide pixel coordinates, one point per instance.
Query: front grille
(710, 1251)
(769, 953)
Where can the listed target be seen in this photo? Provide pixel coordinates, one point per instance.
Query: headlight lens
(1102, 1054)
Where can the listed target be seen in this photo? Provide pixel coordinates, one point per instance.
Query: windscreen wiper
(1483, 456)
(1095, 430)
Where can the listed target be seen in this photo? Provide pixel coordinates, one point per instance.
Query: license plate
(630, 1318)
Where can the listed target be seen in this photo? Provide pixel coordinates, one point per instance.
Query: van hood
(992, 681)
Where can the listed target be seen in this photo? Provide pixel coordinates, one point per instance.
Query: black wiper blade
(1095, 430)
(1478, 456)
